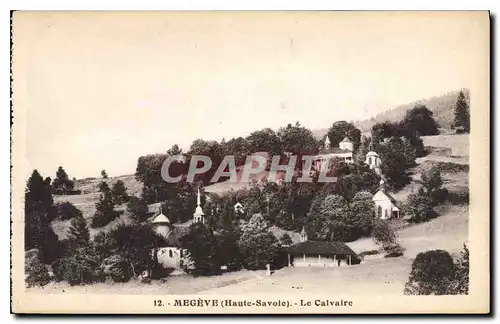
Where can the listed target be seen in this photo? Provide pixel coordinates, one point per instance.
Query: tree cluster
(420, 206)
(338, 220)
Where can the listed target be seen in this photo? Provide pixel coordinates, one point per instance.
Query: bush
(432, 273)
(419, 208)
(458, 198)
(66, 210)
(37, 274)
(382, 234)
(286, 240)
(370, 252)
(393, 251)
(83, 267)
(116, 268)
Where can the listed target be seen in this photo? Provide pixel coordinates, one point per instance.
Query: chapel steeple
(199, 215)
(303, 235)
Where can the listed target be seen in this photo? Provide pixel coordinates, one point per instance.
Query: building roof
(161, 219)
(388, 195)
(173, 238)
(321, 247)
(346, 139)
(371, 153)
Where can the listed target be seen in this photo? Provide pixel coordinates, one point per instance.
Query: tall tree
(202, 248)
(420, 119)
(228, 250)
(462, 114)
(105, 211)
(257, 244)
(237, 147)
(210, 149)
(265, 140)
(395, 163)
(39, 212)
(341, 129)
(119, 192)
(298, 140)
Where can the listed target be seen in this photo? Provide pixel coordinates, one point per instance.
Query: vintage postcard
(250, 162)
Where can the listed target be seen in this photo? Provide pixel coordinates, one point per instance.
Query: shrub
(116, 268)
(382, 234)
(432, 273)
(370, 252)
(458, 198)
(393, 251)
(83, 267)
(286, 239)
(419, 208)
(37, 274)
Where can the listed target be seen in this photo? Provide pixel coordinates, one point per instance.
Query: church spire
(199, 215)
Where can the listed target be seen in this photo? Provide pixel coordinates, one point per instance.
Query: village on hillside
(398, 208)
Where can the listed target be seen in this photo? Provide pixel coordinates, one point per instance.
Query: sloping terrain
(442, 106)
(448, 232)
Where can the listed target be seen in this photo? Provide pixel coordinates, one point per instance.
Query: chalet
(385, 204)
(320, 254)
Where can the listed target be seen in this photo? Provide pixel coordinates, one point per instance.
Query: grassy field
(448, 232)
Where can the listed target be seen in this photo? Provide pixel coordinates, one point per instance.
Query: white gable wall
(169, 257)
(384, 203)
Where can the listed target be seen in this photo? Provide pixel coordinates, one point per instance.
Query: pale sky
(101, 89)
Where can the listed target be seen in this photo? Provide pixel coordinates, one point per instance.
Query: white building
(373, 160)
(169, 253)
(385, 204)
(343, 152)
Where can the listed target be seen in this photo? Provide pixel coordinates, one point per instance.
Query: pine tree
(62, 184)
(105, 211)
(78, 231)
(119, 192)
(462, 115)
(39, 212)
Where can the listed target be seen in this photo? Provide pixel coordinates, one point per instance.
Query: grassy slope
(86, 202)
(442, 107)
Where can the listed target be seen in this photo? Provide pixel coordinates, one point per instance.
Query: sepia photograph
(250, 162)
